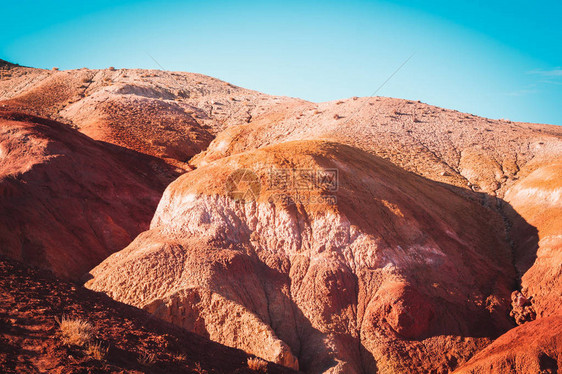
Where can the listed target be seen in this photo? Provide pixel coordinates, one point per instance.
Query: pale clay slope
(175, 115)
(216, 103)
(379, 280)
(443, 145)
(171, 115)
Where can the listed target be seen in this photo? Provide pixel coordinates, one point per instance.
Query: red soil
(30, 300)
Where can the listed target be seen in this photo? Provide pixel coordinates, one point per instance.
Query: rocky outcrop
(381, 270)
(67, 201)
(521, 308)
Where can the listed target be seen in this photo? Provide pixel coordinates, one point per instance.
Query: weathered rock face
(67, 201)
(535, 347)
(388, 272)
(522, 310)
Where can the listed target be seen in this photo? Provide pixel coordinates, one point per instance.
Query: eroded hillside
(442, 231)
(394, 270)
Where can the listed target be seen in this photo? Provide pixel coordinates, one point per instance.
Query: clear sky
(500, 59)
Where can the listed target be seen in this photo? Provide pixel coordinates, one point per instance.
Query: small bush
(147, 359)
(337, 116)
(74, 331)
(55, 69)
(257, 364)
(96, 350)
(111, 68)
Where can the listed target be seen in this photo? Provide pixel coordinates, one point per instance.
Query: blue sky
(499, 59)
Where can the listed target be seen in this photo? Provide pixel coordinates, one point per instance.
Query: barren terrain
(30, 342)
(360, 235)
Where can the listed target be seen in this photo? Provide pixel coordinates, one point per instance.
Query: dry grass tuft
(97, 351)
(198, 369)
(74, 331)
(257, 364)
(180, 357)
(147, 359)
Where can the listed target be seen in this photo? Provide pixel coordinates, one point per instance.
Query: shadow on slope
(31, 299)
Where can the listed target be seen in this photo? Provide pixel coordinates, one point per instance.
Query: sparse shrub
(198, 369)
(180, 357)
(146, 358)
(111, 68)
(74, 331)
(86, 80)
(55, 69)
(96, 350)
(257, 364)
(355, 98)
(337, 116)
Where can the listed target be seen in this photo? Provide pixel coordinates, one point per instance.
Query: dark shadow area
(128, 332)
(78, 200)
